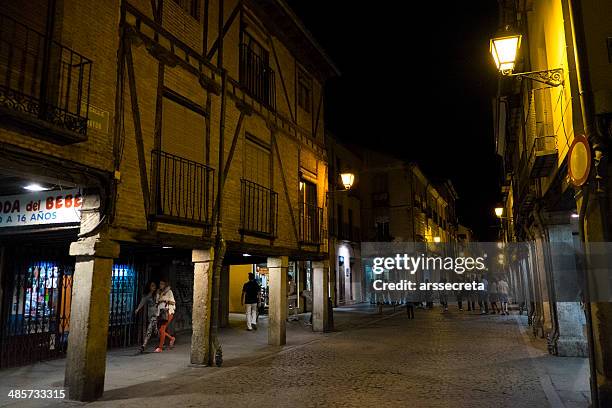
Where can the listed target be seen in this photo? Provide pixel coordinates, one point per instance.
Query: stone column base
(572, 347)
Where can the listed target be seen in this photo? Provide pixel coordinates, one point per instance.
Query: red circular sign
(579, 160)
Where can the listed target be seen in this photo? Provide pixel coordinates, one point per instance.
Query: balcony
(181, 190)
(311, 221)
(524, 188)
(258, 210)
(44, 86)
(543, 156)
(257, 78)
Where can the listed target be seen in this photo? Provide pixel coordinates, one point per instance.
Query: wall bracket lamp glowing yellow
(348, 179)
(504, 50)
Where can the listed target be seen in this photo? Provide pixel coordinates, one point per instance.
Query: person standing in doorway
(166, 306)
(250, 297)
(150, 301)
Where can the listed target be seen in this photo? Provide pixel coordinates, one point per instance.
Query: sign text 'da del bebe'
(41, 208)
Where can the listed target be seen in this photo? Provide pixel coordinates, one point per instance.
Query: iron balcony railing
(181, 189)
(42, 79)
(311, 222)
(257, 77)
(258, 209)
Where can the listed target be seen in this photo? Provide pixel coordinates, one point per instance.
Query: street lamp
(436, 240)
(504, 49)
(347, 180)
(499, 211)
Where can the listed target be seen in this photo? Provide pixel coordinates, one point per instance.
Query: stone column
(320, 288)
(277, 299)
(572, 341)
(200, 321)
(90, 305)
(86, 356)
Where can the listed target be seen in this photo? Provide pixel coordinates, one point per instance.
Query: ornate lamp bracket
(552, 77)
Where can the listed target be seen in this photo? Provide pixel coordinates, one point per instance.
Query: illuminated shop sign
(41, 208)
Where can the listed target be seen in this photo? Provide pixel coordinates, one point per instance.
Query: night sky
(417, 82)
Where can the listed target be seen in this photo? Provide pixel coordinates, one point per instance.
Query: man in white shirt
(503, 289)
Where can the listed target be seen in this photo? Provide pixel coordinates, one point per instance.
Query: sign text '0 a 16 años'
(41, 208)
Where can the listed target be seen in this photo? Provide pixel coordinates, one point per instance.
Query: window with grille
(258, 201)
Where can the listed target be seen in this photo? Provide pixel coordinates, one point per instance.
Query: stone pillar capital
(202, 255)
(95, 246)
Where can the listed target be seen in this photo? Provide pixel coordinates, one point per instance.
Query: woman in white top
(166, 307)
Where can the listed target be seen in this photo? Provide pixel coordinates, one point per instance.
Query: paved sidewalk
(565, 380)
(126, 368)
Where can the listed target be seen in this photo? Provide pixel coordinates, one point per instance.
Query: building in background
(399, 203)
(188, 137)
(344, 206)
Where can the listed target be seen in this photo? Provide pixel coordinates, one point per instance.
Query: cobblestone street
(437, 360)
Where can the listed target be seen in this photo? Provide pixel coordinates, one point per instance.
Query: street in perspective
(284, 203)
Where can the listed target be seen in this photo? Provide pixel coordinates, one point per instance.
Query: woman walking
(165, 313)
(150, 301)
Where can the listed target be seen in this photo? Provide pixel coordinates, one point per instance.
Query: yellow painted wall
(238, 275)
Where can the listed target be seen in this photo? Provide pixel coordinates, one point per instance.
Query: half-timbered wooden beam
(316, 124)
(226, 27)
(282, 79)
(286, 190)
(230, 155)
(243, 112)
(184, 101)
(142, 166)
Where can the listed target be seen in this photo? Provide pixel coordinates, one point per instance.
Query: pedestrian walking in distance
(443, 296)
(166, 306)
(493, 296)
(250, 297)
(483, 297)
(411, 300)
(150, 301)
(502, 292)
